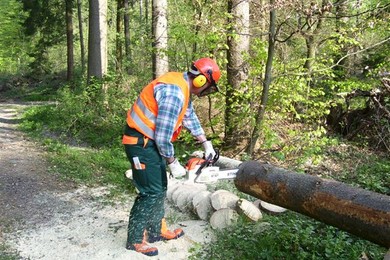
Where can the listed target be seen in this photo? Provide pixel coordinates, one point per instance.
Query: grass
(289, 236)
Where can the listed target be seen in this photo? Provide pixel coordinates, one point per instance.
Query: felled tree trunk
(360, 212)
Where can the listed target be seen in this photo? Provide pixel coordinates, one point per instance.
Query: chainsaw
(200, 170)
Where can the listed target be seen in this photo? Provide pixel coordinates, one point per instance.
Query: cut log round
(202, 205)
(223, 199)
(249, 210)
(171, 190)
(182, 189)
(223, 218)
(184, 200)
(271, 208)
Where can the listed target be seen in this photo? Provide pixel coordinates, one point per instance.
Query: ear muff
(199, 81)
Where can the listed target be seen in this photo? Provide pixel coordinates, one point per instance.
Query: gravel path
(43, 217)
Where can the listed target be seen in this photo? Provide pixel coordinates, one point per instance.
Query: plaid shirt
(170, 101)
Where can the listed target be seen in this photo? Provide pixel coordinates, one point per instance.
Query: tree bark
(341, 24)
(238, 42)
(127, 35)
(160, 36)
(97, 39)
(266, 84)
(81, 33)
(360, 212)
(119, 26)
(69, 39)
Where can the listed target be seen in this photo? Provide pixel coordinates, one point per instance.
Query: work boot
(143, 248)
(166, 234)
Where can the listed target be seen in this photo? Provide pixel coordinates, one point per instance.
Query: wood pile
(220, 208)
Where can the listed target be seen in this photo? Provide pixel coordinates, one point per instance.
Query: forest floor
(44, 217)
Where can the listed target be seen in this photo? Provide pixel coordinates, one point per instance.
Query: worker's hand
(208, 149)
(176, 169)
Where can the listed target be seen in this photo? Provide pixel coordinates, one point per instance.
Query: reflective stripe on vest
(142, 126)
(142, 116)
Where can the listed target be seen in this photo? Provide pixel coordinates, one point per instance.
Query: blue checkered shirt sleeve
(170, 101)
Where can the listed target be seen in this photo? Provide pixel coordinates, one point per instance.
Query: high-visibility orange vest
(142, 116)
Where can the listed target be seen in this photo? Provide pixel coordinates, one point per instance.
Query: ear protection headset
(199, 81)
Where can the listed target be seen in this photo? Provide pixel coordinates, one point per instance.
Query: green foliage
(88, 115)
(93, 167)
(372, 174)
(287, 236)
(306, 146)
(13, 44)
(90, 166)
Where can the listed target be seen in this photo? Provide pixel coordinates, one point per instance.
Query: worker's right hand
(176, 169)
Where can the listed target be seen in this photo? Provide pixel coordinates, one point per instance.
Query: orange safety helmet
(205, 70)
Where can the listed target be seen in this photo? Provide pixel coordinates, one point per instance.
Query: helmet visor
(210, 90)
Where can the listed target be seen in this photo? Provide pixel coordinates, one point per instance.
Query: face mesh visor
(210, 90)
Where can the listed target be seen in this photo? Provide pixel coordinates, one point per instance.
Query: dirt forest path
(44, 217)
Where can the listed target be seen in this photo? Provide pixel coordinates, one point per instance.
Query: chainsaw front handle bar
(209, 161)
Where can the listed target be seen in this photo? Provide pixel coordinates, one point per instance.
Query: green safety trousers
(150, 178)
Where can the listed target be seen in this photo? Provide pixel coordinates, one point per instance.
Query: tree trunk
(81, 32)
(69, 39)
(314, 25)
(119, 26)
(127, 36)
(341, 23)
(197, 26)
(360, 212)
(97, 39)
(238, 43)
(266, 84)
(310, 53)
(160, 36)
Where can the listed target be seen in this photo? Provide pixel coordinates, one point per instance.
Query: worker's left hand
(176, 169)
(208, 150)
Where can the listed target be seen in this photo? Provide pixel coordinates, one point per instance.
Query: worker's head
(204, 75)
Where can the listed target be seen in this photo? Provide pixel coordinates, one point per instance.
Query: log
(223, 199)
(184, 201)
(270, 208)
(171, 190)
(202, 205)
(223, 218)
(227, 163)
(363, 213)
(249, 210)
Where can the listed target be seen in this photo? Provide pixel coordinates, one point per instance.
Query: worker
(154, 121)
